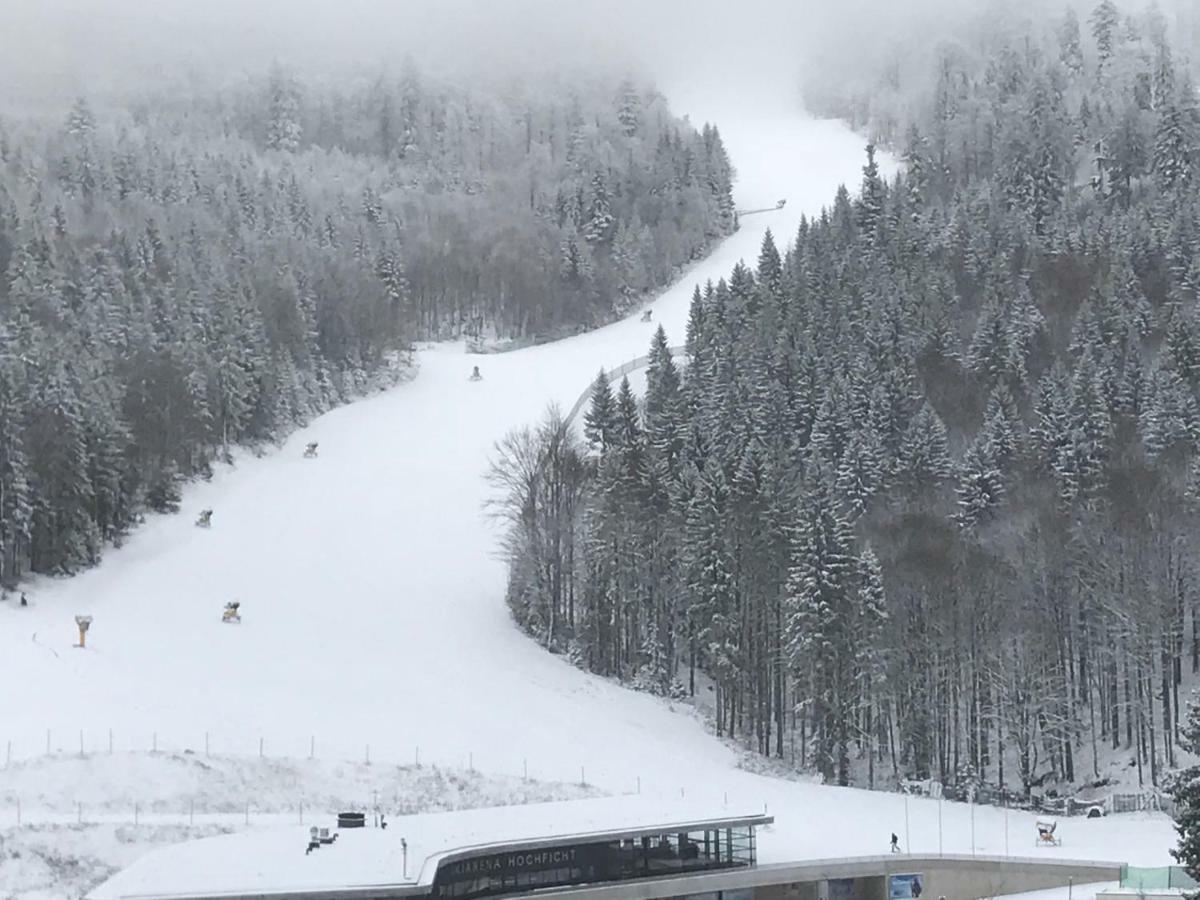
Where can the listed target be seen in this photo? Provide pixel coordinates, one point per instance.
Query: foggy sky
(62, 48)
(56, 49)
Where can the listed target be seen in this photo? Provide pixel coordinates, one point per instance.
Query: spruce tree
(871, 657)
(599, 422)
(1185, 791)
(1105, 20)
(819, 615)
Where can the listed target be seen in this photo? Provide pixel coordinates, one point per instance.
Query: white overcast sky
(55, 48)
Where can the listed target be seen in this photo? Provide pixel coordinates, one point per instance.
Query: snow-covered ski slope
(372, 599)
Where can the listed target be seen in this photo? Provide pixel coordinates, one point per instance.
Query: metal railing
(1158, 878)
(610, 375)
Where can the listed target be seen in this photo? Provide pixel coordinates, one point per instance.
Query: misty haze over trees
(180, 273)
(922, 500)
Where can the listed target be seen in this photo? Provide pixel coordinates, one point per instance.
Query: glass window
(643, 856)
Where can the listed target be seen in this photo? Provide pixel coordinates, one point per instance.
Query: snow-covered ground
(374, 621)
(165, 785)
(82, 819)
(1074, 892)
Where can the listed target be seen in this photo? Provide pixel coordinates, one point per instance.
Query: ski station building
(611, 849)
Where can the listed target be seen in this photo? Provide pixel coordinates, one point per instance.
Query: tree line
(183, 273)
(921, 501)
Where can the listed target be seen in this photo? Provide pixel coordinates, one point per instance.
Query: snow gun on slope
(310, 450)
(204, 520)
(1046, 836)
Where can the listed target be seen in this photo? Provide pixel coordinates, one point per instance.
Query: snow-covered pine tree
(629, 107)
(16, 510)
(1070, 52)
(600, 224)
(871, 198)
(711, 589)
(1105, 20)
(664, 409)
(870, 644)
(1185, 791)
(981, 487)
(599, 422)
(283, 113)
(925, 456)
(819, 617)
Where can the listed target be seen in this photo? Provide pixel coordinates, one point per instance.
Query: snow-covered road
(373, 599)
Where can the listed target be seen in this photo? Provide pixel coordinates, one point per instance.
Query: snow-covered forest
(185, 271)
(921, 500)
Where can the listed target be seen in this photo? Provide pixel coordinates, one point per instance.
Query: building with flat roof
(612, 849)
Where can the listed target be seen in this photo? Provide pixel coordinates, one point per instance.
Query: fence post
(79, 806)
(110, 742)
(81, 742)
(47, 741)
(301, 812)
(525, 768)
(154, 744)
(417, 756)
(368, 754)
(639, 784)
(8, 755)
(247, 812)
(260, 748)
(471, 762)
(312, 746)
(135, 814)
(206, 743)
(582, 778)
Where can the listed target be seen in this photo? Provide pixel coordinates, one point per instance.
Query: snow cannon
(1045, 831)
(204, 520)
(310, 450)
(648, 315)
(475, 376)
(84, 623)
(232, 612)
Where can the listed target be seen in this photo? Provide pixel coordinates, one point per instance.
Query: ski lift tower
(84, 623)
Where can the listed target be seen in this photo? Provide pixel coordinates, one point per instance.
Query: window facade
(621, 859)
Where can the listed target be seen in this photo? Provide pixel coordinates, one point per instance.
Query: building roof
(272, 863)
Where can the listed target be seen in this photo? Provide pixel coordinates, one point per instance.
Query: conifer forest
(921, 497)
(185, 272)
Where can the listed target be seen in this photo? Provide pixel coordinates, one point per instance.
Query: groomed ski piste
(374, 624)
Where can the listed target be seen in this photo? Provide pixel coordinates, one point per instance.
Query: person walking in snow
(895, 843)
(24, 602)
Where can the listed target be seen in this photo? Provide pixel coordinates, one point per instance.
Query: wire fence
(59, 743)
(396, 781)
(549, 771)
(988, 795)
